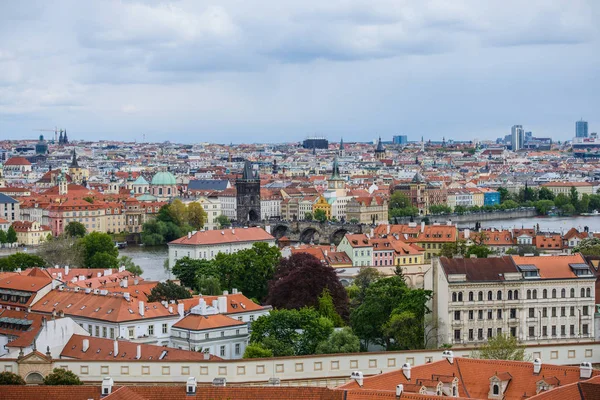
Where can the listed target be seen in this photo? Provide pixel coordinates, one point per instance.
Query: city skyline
(195, 71)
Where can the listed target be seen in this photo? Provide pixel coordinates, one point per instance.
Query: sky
(277, 71)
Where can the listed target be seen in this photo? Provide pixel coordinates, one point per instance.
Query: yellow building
(31, 233)
(565, 188)
(322, 204)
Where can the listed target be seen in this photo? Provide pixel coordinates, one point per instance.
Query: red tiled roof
(224, 236)
(196, 322)
(17, 161)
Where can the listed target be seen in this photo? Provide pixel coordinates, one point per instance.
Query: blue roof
(208, 184)
(7, 199)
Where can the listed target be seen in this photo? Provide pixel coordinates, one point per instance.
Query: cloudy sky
(281, 70)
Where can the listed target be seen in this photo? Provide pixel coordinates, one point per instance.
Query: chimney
(202, 306)
(399, 390)
(225, 293)
(232, 231)
(180, 310)
(358, 377)
(99, 274)
(115, 348)
(141, 308)
(189, 235)
(215, 304)
(467, 233)
(59, 276)
(124, 283)
(126, 296)
(537, 366)
(388, 229)
(138, 354)
(406, 371)
(86, 345)
(222, 305)
(107, 384)
(190, 387)
(66, 270)
(170, 309)
(107, 272)
(585, 370)
(234, 291)
(206, 355)
(422, 226)
(121, 268)
(448, 355)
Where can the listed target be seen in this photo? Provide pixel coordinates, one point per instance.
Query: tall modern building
(400, 139)
(581, 129)
(517, 137)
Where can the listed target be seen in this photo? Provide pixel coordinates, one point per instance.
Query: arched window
(480, 296)
(545, 293)
(582, 292)
(563, 293)
(528, 294)
(496, 389)
(490, 295)
(471, 296)
(168, 190)
(460, 296)
(510, 294)
(572, 292)
(453, 296)
(499, 295)
(535, 293)
(553, 293)
(588, 292)
(516, 295)
(160, 191)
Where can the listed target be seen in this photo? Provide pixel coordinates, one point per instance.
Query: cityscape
(163, 236)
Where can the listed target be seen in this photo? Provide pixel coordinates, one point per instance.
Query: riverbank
(472, 217)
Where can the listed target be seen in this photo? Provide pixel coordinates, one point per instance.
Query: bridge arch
(280, 231)
(309, 234)
(337, 236)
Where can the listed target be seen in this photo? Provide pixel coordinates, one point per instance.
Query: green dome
(163, 179)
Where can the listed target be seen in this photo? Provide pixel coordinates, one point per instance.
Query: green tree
(341, 341)
(523, 249)
(594, 202)
(501, 347)
(178, 212)
(168, 291)
(257, 350)
(510, 204)
(10, 378)
(20, 260)
(62, 250)
(588, 247)
(357, 291)
(320, 215)
(130, 266)
(11, 235)
(2, 236)
(504, 194)
(75, 229)
(62, 377)
(223, 221)
(452, 249)
(400, 328)
(208, 285)
(308, 216)
(399, 200)
(561, 200)
(584, 204)
(196, 216)
(545, 194)
(187, 270)
(97, 243)
(327, 309)
(102, 261)
(481, 251)
(568, 209)
(574, 197)
(543, 207)
(460, 210)
(439, 209)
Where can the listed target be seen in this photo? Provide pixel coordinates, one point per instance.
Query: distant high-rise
(581, 129)
(517, 136)
(400, 139)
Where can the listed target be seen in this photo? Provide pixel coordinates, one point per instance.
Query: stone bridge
(313, 231)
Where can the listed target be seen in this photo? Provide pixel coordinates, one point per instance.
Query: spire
(65, 139)
(342, 144)
(248, 174)
(74, 163)
(335, 173)
(379, 148)
(60, 138)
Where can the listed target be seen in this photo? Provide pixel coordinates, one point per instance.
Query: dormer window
(581, 269)
(529, 271)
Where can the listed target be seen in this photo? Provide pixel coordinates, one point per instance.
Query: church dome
(163, 179)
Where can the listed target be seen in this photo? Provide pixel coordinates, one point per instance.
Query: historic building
(423, 194)
(367, 210)
(78, 175)
(379, 150)
(163, 186)
(248, 195)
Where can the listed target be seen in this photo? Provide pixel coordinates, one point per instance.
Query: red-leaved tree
(299, 281)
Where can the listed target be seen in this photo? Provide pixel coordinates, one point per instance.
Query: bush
(62, 377)
(9, 378)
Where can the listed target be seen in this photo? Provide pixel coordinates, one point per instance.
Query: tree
(62, 250)
(523, 249)
(545, 194)
(291, 331)
(357, 291)
(561, 200)
(102, 261)
(320, 215)
(223, 221)
(187, 270)
(501, 347)
(178, 212)
(452, 249)
(460, 210)
(97, 243)
(574, 197)
(75, 229)
(342, 341)
(588, 247)
(196, 216)
(257, 350)
(504, 194)
(62, 377)
(327, 309)
(11, 235)
(9, 378)
(301, 279)
(481, 251)
(168, 291)
(308, 216)
(208, 285)
(568, 209)
(543, 207)
(2, 236)
(400, 327)
(21, 260)
(439, 209)
(399, 200)
(510, 204)
(584, 204)
(130, 266)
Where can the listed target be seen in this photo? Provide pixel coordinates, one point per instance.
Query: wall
(321, 370)
(474, 217)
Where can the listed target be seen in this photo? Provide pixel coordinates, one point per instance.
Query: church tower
(336, 185)
(78, 174)
(248, 195)
(379, 150)
(63, 185)
(341, 152)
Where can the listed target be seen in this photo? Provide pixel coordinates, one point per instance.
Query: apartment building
(359, 248)
(544, 299)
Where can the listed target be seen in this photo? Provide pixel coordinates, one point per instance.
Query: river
(150, 259)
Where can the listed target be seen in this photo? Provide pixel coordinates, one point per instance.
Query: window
(471, 296)
(513, 313)
(499, 313)
(104, 331)
(206, 335)
(454, 297)
(222, 333)
(237, 349)
(572, 292)
(222, 351)
(150, 330)
(480, 296)
(490, 314)
(251, 318)
(544, 312)
(513, 331)
(499, 295)
(516, 295)
(480, 334)
(97, 331)
(553, 293)
(457, 335)
(563, 330)
(471, 314)
(584, 329)
(470, 334)
(510, 295)
(531, 331)
(585, 310)
(553, 330)
(572, 311)
(563, 311)
(544, 330)
(460, 296)
(588, 292)
(528, 294)
(563, 293)
(490, 296)
(582, 292)
(112, 333)
(131, 331)
(572, 330)
(457, 315)
(490, 333)
(499, 331)
(535, 293)
(545, 293)
(496, 389)
(554, 311)
(531, 312)
(165, 328)
(480, 314)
